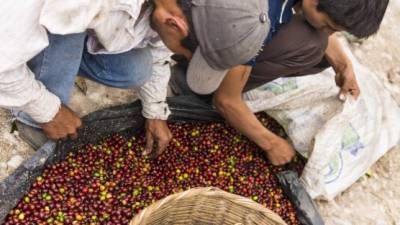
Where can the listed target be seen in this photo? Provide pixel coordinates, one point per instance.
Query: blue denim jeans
(66, 56)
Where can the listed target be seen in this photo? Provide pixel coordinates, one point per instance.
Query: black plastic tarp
(127, 120)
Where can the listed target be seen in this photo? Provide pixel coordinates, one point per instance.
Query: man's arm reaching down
(153, 96)
(21, 38)
(228, 101)
(345, 77)
(21, 91)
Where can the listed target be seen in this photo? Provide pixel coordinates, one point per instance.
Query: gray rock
(15, 161)
(394, 75)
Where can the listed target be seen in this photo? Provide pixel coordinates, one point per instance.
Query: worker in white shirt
(44, 44)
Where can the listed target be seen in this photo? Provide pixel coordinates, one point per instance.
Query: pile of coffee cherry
(110, 182)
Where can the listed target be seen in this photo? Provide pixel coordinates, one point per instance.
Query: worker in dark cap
(226, 58)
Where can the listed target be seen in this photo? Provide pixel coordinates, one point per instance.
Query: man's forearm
(345, 77)
(336, 55)
(240, 117)
(229, 103)
(228, 100)
(153, 94)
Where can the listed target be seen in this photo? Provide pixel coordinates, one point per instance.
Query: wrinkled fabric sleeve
(21, 38)
(153, 93)
(20, 90)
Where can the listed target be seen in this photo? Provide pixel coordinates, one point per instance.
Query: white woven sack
(340, 139)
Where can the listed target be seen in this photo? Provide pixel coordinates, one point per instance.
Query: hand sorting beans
(109, 182)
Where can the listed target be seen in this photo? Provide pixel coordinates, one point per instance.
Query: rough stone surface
(15, 161)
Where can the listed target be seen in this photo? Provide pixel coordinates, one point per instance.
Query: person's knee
(320, 43)
(137, 78)
(315, 50)
(296, 43)
(313, 44)
(137, 72)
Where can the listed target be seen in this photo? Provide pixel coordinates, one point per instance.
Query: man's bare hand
(63, 125)
(279, 152)
(158, 136)
(347, 81)
(341, 63)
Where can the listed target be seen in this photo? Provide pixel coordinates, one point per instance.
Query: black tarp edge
(127, 119)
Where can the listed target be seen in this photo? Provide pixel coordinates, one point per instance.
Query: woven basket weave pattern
(206, 206)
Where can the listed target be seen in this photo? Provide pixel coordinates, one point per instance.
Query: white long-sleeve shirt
(23, 25)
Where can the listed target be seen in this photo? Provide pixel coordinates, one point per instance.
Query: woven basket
(206, 206)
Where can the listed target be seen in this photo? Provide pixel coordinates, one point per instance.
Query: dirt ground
(375, 200)
(372, 200)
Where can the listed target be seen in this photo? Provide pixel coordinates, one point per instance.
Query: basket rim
(140, 219)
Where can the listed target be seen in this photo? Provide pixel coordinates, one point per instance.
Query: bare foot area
(373, 200)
